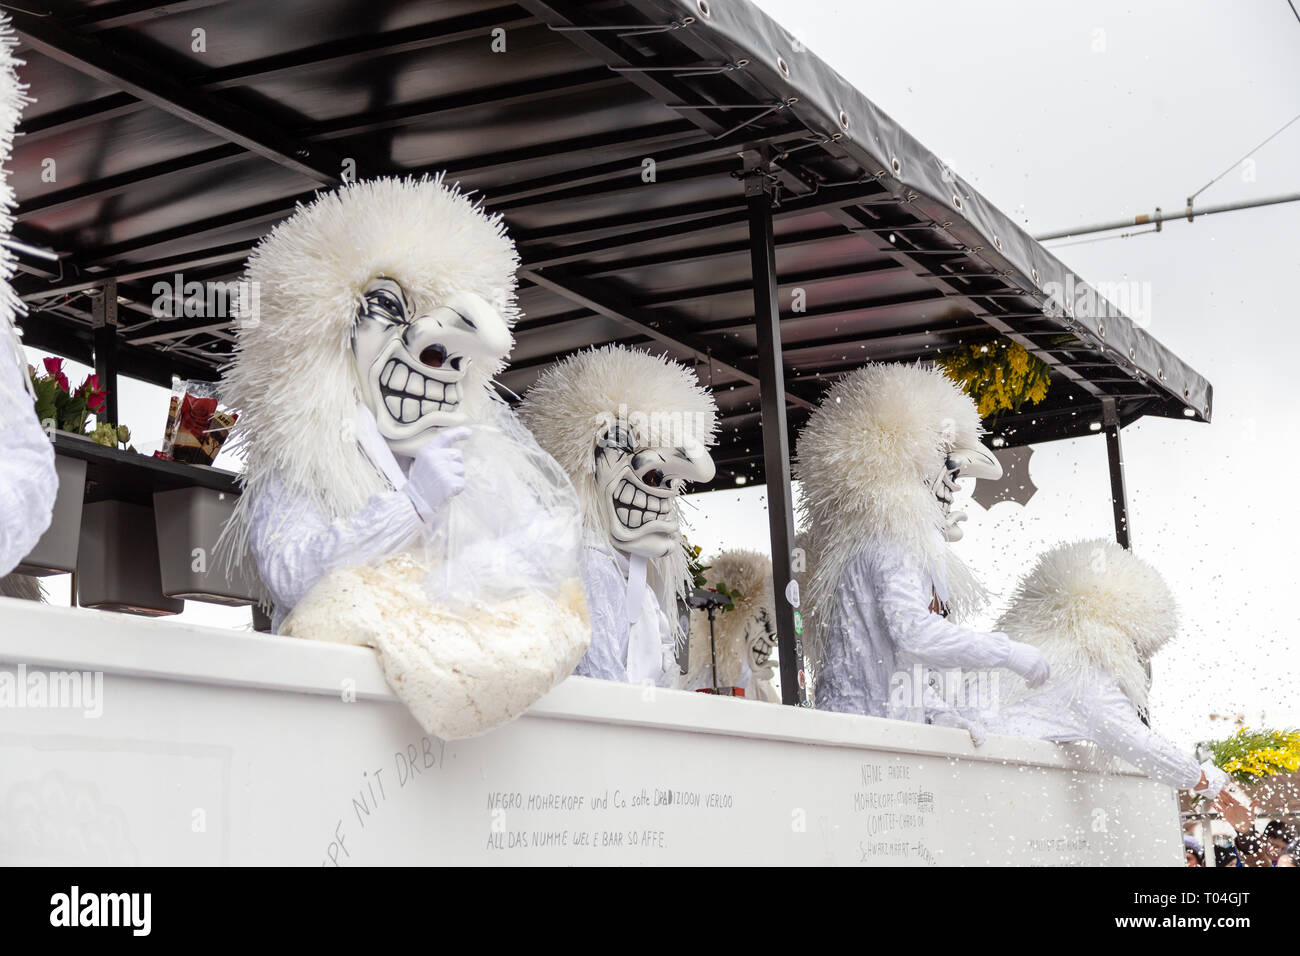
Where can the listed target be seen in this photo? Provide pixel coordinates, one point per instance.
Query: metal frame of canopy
(671, 171)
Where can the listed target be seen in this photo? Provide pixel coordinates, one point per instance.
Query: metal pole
(1118, 490)
(776, 440)
(1190, 213)
(105, 341)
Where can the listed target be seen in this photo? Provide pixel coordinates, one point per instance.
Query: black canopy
(613, 136)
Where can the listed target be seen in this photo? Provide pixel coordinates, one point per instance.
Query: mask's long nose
(976, 462)
(691, 463)
(463, 327)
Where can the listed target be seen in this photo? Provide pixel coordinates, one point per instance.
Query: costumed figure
(1097, 612)
(391, 499)
(743, 636)
(878, 463)
(632, 430)
(28, 482)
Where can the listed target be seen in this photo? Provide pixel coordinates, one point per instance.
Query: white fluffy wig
(748, 573)
(293, 380)
(13, 98)
(1093, 604)
(865, 461)
(575, 398)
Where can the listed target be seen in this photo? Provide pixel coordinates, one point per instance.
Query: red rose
(54, 368)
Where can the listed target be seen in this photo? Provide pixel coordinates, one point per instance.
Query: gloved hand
(1029, 662)
(950, 718)
(437, 473)
(1215, 780)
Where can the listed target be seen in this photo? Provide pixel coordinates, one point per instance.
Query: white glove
(1029, 662)
(437, 473)
(1215, 780)
(950, 718)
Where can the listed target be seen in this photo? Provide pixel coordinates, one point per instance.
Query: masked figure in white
(632, 430)
(391, 499)
(878, 463)
(743, 643)
(1098, 613)
(27, 479)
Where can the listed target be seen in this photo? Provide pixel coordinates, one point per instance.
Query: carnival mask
(411, 363)
(760, 641)
(638, 482)
(961, 462)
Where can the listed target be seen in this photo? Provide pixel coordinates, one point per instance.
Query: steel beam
(1118, 488)
(776, 438)
(112, 67)
(105, 341)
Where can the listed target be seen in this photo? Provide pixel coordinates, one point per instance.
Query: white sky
(1065, 115)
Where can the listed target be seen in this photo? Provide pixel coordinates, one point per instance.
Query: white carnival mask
(760, 641)
(411, 364)
(963, 461)
(638, 484)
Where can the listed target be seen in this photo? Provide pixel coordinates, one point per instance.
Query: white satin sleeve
(903, 593)
(606, 655)
(28, 482)
(1111, 721)
(295, 545)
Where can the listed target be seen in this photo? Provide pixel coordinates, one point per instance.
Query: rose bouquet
(61, 407)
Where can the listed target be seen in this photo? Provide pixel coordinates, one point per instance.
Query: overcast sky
(1066, 115)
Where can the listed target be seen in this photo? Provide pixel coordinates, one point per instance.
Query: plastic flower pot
(56, 552)
(117, 563)
(189, 522)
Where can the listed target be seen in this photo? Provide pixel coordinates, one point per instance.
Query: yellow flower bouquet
(1001, 376)
(1251, 756)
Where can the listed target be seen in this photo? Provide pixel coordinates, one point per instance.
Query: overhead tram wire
(1190, 213)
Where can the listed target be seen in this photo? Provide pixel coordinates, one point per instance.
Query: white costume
(744, 637)
(27, 479)
(390, 498)
(1097, 612)
(878, 463)
(631, 429)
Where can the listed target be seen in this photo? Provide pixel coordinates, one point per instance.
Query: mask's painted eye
(434, 356)
(617, 439)
(385, 306)
(654, 478)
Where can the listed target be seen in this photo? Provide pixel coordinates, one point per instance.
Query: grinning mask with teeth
(411, 362)
(961, 462)
(638, 481)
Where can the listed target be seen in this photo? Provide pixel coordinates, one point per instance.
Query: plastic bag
(485, 613)
(196, 429)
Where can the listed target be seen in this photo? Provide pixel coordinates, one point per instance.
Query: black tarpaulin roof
(181, 132)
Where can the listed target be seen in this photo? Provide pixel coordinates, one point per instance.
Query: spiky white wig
(865, 462)
(574, 399)
(13, 98)
(750, 574)
(1093, 604)
(22, 586)
(292, 379)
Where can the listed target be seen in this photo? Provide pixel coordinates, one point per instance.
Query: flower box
(188, 523)
(117, 563)
(56, 551)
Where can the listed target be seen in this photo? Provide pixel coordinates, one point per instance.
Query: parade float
(678, 176)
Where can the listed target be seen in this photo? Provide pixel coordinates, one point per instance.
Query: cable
(1122, 235)
(1244, 158)
(1293, 10)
